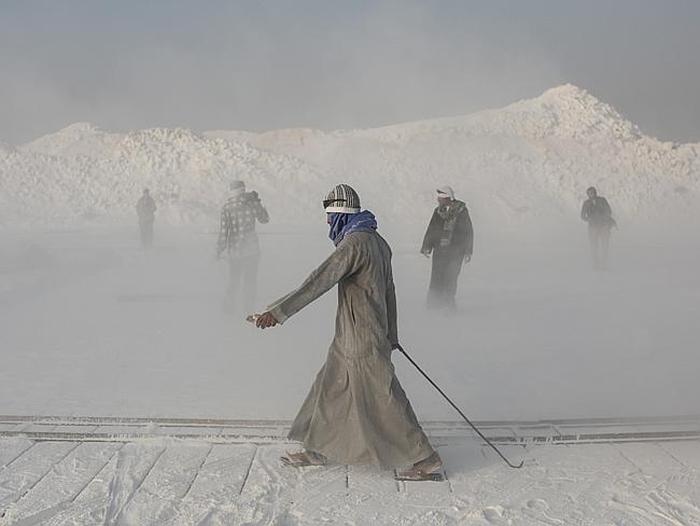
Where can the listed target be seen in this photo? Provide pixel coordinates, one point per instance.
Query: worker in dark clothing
(450, 240)
(597, 213)
(146, 210)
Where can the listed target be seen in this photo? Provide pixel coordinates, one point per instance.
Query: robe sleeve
(344, 261)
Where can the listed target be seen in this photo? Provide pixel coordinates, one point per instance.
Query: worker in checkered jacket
(238, 243)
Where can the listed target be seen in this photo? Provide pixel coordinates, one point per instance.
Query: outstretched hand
(265, 320)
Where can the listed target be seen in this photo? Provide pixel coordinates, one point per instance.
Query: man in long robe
(356, 411)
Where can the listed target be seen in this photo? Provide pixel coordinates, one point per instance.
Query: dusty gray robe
(356, 411)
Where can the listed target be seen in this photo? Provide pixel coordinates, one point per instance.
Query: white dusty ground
(165, 481)
(92, 325)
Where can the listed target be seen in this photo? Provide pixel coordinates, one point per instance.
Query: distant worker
(597, 213)
(450, 240)
(146, 210)
(239, 243)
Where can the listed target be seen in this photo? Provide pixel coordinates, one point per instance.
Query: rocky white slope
(526, 162)
(82, 174)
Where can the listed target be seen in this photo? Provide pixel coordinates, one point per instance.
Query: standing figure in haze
(239, 242)
(356, 411)
(597, 213)
(146, 210)
(450, 240)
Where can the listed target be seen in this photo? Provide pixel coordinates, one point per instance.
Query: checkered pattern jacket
(237, 236)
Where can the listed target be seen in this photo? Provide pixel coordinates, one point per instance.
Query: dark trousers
(243, 283)
(599, 237)
(443, 280)
(146, 227)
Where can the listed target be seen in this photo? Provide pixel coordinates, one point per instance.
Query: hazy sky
(262, 65)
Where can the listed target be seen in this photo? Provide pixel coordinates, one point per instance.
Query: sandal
(303, 459)
(427, 469)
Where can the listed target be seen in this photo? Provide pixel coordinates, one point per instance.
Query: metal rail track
(515, 432)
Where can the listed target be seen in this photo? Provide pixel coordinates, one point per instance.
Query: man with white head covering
(356, 411)
(239, 243)
(450, 240)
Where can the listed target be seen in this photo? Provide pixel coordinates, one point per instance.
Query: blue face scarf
(344, 224)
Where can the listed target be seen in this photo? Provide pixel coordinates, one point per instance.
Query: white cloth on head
(446, 191)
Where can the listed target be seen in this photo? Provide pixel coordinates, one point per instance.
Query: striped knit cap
(343, 199)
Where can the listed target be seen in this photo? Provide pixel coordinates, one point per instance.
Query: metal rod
(514, 466)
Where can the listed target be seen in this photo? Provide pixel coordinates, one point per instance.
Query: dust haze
(95, 325)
